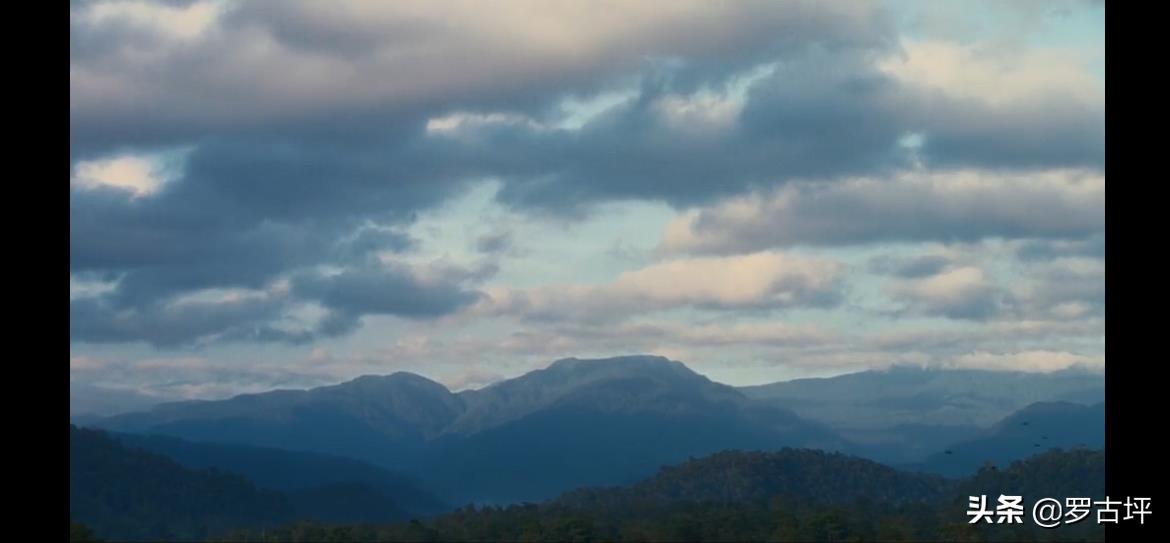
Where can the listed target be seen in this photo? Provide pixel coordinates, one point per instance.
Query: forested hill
(124, 493)
(130, 494)
(789, 495)
(808, 475)
(296, 472)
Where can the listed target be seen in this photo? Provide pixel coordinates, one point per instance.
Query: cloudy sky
(286, 194)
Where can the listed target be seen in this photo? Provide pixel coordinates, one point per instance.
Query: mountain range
(905, 413)
(1039, 427)
(614, 421)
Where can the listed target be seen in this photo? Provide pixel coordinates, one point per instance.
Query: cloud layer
(807, 184)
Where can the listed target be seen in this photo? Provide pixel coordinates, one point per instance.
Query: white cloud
(455, 124)
(958, 293)
(1032, 361)
(945, 288)
(179, 22)
(998, 77)
(760, 280)
(136, 175)
(698, 114)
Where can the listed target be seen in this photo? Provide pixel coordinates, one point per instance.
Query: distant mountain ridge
(905, 413)
(1037, 428)
(574, 423)
(601, 422)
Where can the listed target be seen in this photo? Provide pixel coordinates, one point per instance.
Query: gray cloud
(310, 148)
(98, 320)
(495, 242)
(759, 283)
(1039, 250)
(951, 206)
(958, 293)
(909, 268)
(298, 64)
(383, 290)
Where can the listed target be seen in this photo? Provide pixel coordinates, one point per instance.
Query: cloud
(998, 78)
(1040, 250)
(170, 323)
(995, 333)
(182, 22)
(384, 290)
(172, 363)
(914, 206)
(133, 174)
(818, 117)
(91, 399)
(495, 242)
(84, 363)
(656, 336)
(317, 136)
(270, 315)
(960, 293)
(199, 68)
(1064, 288)
(1033, 361)
(757, 281)
(909, 268)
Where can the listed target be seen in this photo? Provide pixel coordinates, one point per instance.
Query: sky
(288, 194)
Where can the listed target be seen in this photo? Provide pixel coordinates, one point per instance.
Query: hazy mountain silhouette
(383, 419)
(904, 413)
(577, 422)
(88, 402)
(590, 422)
(127, 493)
(1036, 428)
(295, 472)
(610, 421)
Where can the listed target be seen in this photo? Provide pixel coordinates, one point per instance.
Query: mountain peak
(637, 379)
(635, 361)
(398, 377)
